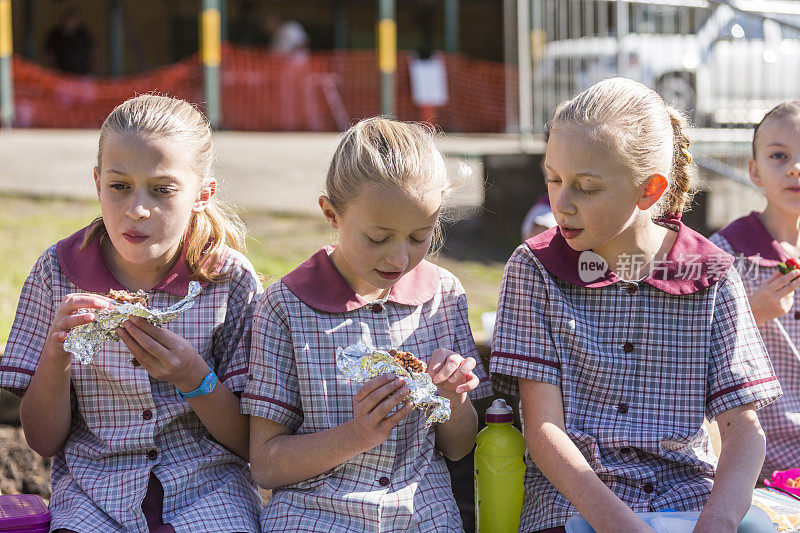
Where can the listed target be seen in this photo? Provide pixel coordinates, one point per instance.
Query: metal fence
(723, 63)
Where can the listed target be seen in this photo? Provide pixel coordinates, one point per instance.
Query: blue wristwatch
(206, 386)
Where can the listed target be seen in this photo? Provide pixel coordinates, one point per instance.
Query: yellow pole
(387, 54)
(6, 80)
(211, 55)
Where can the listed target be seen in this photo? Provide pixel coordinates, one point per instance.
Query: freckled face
(383, 234)
(148, 192)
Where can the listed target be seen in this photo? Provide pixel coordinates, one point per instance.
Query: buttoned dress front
(400, 485)
(127, 426)
(757, 256)
(639, 365)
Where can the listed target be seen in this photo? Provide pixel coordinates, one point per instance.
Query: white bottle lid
(499, 413)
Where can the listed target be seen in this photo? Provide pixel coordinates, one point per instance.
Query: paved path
(274, 171)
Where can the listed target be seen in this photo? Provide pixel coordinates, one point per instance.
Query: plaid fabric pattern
(401, 485)
(638, 370)
(100, 477)
(781, 419)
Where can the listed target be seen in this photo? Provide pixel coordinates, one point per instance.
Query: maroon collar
(318, 284)
(87, 269)
(749, 237)
(691, 252)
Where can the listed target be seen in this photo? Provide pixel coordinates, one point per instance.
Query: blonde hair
(648, 135)
(788, 109)
(209, 230)
(379, 151)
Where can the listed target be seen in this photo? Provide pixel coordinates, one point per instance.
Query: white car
(722, 65)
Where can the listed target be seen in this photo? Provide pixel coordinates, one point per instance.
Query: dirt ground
(22, 471)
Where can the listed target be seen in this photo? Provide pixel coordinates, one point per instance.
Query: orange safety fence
(261, 91)
(47, 98)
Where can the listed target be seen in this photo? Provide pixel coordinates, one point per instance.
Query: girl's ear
(328, 211)
(97, 180)
(207, 192)
(654, 188)
(754, 177)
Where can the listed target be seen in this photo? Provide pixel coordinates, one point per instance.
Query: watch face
(208, 384)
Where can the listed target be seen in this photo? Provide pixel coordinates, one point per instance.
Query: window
(743, 27)
(665, 19)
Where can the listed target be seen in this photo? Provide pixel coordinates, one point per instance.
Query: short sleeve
(722, 243)
(739, 369)
(35, 312)
(748, 270)
(465, 345)
(272, 390)
(232, 339)
(522, 345)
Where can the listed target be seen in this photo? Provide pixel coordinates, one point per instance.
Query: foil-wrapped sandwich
(360, 363)
(86, 341)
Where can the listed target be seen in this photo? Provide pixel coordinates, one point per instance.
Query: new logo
(591, 266)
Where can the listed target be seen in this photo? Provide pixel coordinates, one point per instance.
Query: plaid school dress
(639, 364)
(401, 485)
(757, 255)
(127, 426)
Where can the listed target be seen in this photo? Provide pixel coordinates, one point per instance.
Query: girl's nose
(562, 203)
(794, 169)
(138, 208)
(398, 257)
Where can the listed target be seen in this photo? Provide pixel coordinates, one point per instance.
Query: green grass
(277, 243)
(27, 227)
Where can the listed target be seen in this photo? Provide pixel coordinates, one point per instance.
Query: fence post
(211, 54)
(451, 25)
(340, 25)
(525, 69)
(28, 29)
(387, 54)
(6, 79)
(538, 41)
(622, 31)
(116, 28)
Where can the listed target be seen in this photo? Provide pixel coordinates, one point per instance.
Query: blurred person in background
(538, 219)
(70, 44)
(288, 39)
(284, 36)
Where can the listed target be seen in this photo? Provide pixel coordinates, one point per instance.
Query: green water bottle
(499, 472)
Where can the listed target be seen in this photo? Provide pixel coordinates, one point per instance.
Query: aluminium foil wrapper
(361, 363)
(86, 341)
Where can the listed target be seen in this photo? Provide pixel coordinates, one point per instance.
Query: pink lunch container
(779, 479)
(23, 513)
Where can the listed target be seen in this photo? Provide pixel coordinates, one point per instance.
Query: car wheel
(678, 91)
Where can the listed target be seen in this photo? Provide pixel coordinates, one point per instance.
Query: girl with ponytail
(621, 329)
(149, 437)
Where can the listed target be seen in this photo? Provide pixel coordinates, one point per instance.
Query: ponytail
(680, 192)
(208, 233)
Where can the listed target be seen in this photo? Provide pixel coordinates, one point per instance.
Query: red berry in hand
(793, 263)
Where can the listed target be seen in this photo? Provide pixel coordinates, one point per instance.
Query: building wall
(148, 40)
